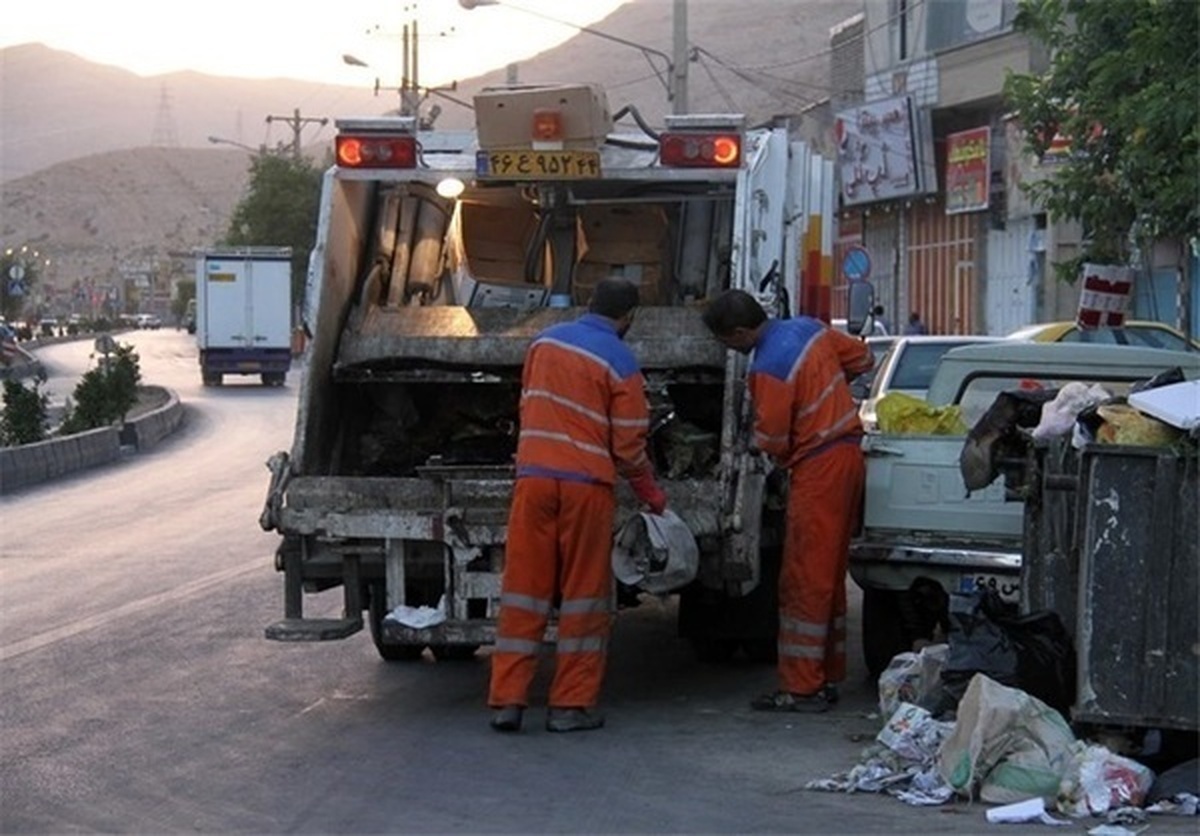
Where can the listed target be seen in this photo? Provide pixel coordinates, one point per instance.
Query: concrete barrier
(32, 464)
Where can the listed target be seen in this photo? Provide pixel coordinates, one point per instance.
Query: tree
(279, 209)
(19, 274)
(1124, 89)
(185, 292)
(106, 393)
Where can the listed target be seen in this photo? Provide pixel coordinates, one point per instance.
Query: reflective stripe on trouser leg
(526, 589)
(585, 616)
(824, 496)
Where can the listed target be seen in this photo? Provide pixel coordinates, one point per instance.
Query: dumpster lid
(1177, 404)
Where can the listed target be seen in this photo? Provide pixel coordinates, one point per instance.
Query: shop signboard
(968, 170)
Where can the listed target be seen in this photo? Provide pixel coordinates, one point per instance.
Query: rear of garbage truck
(439, 256)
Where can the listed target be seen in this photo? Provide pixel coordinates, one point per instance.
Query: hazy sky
(302, 39)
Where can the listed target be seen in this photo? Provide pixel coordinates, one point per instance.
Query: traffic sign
(856, 264)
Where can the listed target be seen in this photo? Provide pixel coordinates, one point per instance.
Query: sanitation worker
(805, 420)
(583, 421)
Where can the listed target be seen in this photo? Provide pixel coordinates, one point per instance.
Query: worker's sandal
(787, 701)
(508, 718)
(572, 719)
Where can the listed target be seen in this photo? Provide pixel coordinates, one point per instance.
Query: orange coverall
(806, 421)
(583, 422)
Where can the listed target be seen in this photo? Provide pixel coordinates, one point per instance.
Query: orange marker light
(547, 124)
(700, 150)
(725, 150)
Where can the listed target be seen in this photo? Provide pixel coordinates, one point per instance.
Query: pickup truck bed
(921, 524)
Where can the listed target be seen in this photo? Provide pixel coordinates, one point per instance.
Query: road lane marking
(92, 622)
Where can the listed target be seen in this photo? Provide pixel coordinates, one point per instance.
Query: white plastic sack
(655, 552)
(913, 677)
(1100, 780)
(1058, 415)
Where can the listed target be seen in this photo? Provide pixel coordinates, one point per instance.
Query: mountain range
(109, 174)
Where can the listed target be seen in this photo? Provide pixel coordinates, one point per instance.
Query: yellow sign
(537, 165)
(222, 277)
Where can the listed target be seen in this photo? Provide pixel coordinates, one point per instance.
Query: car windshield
(918, 362)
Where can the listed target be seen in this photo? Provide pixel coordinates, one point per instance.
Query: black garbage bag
(1032, 652)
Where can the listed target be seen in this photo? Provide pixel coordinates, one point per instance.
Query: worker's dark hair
(733, 309)
(614, 297)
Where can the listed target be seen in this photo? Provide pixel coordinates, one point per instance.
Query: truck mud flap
(313, 629)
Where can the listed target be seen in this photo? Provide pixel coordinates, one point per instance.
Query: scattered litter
(900, 763)
(1115, 830)
(1029, 810)
(914, 678)
(418, 617)
(1180, 804)
(1098, 781)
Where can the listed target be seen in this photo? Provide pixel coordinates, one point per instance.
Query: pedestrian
(884, 322)
(583, 421)
(915, 325)
(806, 421)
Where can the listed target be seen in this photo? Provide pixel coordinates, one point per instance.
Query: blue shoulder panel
(596, 336)
(783, 342)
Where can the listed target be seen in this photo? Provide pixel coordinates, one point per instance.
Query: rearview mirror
(860, 299)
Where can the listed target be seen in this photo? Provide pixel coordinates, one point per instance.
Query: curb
(33, 464)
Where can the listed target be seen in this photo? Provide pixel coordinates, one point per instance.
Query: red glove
(647, 490)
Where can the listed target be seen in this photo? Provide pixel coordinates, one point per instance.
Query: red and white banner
(1104, 298)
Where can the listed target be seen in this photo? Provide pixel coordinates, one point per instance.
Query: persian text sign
(878, 151)
(968, 170)
(1104, 297)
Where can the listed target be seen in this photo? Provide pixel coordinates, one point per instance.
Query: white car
(148, 320)
(908, 367)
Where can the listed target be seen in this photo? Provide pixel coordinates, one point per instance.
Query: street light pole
(217, 140)
(675, 77)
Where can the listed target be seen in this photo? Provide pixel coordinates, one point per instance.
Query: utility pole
(679, 38)
(297, 122)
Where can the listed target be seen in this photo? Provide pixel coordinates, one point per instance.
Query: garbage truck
(439, 256)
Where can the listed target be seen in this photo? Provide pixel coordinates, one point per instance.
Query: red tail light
(547, 124)
(375, 151)
(700, 150)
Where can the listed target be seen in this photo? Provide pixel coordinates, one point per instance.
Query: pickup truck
(920, 522)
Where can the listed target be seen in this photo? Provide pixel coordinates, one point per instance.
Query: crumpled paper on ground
(1029, 810)
(900, 763)
(420, 617)
(1180, 804)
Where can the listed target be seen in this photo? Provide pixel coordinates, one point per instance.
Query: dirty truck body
(421, 308)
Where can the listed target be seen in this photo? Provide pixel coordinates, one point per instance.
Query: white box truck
(243, 313)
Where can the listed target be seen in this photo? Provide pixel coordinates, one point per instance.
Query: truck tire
(884, 633)
(388, 651)
(212, 378)
(273, 378)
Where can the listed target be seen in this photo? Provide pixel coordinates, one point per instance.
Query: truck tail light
(375, 151)
(700, 150)
(547, 124)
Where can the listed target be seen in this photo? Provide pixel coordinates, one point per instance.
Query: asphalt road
(138, 695)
